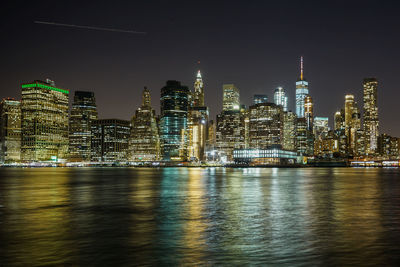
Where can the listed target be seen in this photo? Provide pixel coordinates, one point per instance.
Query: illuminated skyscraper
(309, 112)
(257, 99)
(339, 118)
(198, 96)
(83, 112)
(280, 98)
(230, 99)
(301, 91)
(265, 126)
(44, 116)
(289, 131)
(174, 104)
(352, 123)
(321, 126)
(110, 140)
(10, 131)
(144, 143)
(371, 122)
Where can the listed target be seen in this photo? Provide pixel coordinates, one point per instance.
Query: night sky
(253, 44)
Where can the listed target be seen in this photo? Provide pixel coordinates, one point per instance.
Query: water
(199, 216)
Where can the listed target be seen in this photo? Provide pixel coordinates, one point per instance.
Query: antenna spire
(301, 68)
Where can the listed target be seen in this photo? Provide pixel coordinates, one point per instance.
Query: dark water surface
(199, 216)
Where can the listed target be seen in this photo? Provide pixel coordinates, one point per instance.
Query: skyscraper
(280, 98)
(321, 126)
(83, 112)
(110, 140)
(198, 96)
(371, 122)
(289, 131)
(230, 99)
(174, 104)
(301, 91)
(10, 130)
(144, 143)
(352, 123)
(309, 112)
(44, 116)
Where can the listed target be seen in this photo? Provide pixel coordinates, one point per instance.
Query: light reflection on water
(199, 216)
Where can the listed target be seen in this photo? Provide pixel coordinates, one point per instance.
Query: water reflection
(199, 216)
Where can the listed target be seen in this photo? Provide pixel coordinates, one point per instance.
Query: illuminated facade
(44, 122)
(174, 104)
(10, 131)
(198, 95)
(110, 140)
(230, 101)
(339, 118)
(273, 155)
(321, 127)
(280, 98)
(326, 146)
(265, 125)
(83, 112)
(257, 99)
(309, 112)
(301, 92)
(144, 142)
(371, 122)
(388, 147)
(352, 124)
(289, 131)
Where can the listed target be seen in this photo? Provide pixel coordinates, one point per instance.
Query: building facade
(230, 100)
(371, 121)
(10, 131)
(301, 92)
(174, 104)
(83, 112)
(258, 99)
(110, 140)
(44, 122)
(144, 142)
(280, 98)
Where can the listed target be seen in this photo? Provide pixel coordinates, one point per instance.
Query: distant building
(339, 120)
(83, 112)
(301, 92)
(10, 131)
(230, 101)
(388, 147)
(309, 112)
(174, 104)
(144, 142)
(352, 124)
(198, 96)
(258, 99)
(289, 131)
(44, 122)
(321, 126)
(371, 121)
(110, 140)
(273, 155)
(280, 98)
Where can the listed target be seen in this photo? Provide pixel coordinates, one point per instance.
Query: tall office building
(83, 112)
(230, 99)
(10, 130)
(309, 112)
(321, 127)
(198, 96)
(352, 124)
(144, 142)
(339, 120)
(265, 126)
(174, 104)
(301, 91)
(44, 122)
(280, 98)
(289, 131)
(257, 99)
(110, 140)
(371, 122)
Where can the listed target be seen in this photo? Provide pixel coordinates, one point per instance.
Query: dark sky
(254, 44)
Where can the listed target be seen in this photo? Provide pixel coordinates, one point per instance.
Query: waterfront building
(144, 142)
(289, 131)
(44, 122)
(83, 112)
(309, 112)
(273, 155)
(280, 98)
(257, 99)
(301, 92)
(326, 146)
(110, 140)
(301, 136)
(230, 101)
(10, 130)
(174, 104)
(388, 147)
(265, 125)
(371, 122)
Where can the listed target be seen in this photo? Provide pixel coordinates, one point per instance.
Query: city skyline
(344, 47)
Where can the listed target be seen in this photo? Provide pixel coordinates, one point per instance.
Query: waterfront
(199, 216)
